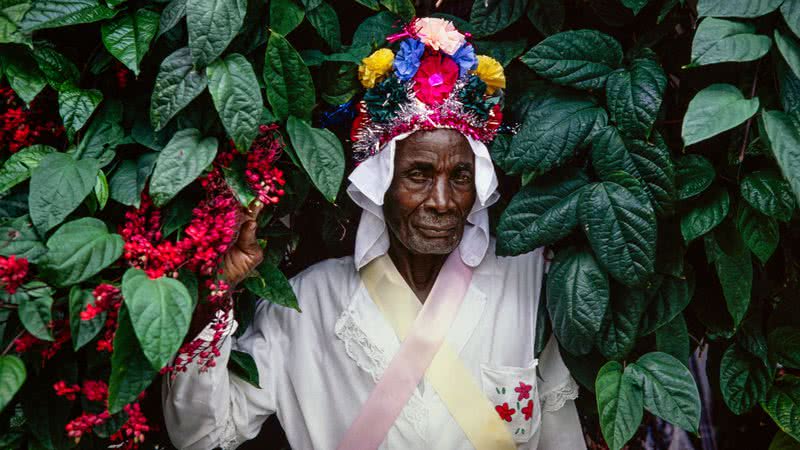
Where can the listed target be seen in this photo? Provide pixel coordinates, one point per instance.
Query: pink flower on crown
(439, 34)
(435, 78)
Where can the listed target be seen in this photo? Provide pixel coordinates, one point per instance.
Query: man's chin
(435, 245)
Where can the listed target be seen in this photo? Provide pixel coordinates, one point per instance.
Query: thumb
(247, 240)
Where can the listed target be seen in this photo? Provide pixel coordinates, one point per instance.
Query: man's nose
(440, 198)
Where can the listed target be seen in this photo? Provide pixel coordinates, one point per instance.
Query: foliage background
(703, 253)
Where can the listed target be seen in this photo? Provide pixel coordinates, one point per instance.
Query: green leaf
(272, 286)
(694, 175)
(80, 249)
(59, 71)
(577, 299)
(130, 370)
(83, 331)
(769, 193)
(581, 59)
(373, 30)
(103, 134)
(619, 404)
(36, 314)
(669, 389)
(285, 16)
(320, 153)
(634, 96)
(547, 16)
(556, 123)
(620, 327)
(325, 20)
(781, 440)
(171, 15)
(707, 212)
(743, 380)
(621, 230)
(212, 25)
(23, 75)
(128, 37)
(760, 232)
(11, 13)
(635, 5)
(673, 339)
(542, 213)
(671, 296)
(648, 162)
(403, 8)
(488, 18)
(783, 131)
(290, 90)
(76, 106)
(12, 376)
(503, 51)
(371, 4)
(177, 84)
(59, 13)
(18, 237)
(237, 97)
(234, 177)
(784, 346)
(183, 159)
(790, 50)
(791, 15)
(716, 109)
(18, 166)
(743, 8)
(101, 189)
(783, 405)
(130, 179)
(735, 273)
(58, 186)
(720, 40)
(160, 312)
(244, 367)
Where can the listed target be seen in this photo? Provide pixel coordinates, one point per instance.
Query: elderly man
(424, 338)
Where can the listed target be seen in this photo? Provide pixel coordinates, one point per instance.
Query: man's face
(432, 191)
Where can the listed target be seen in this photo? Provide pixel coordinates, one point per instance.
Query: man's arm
(561, 427)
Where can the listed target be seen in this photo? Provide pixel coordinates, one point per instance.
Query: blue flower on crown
(406, 62)
(465, 58)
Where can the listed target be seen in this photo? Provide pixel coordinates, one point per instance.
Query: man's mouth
(436, 232)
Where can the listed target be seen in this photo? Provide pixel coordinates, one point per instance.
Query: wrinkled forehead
(437, 147)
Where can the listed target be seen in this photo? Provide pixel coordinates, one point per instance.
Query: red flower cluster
(262, 176)
(107, 298)
(13, 271)
(26, 341)
(21, 126)
(69, 392)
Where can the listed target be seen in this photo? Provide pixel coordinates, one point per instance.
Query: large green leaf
(12, 375)
(36, 314)
(694, 175)
(83, 331)
(671, 296)
(735, 271)
(541, 213)
(791, 14)
(60, 13)
(212, 25)
(783, 131)
(160, 312)
(58, 186)
(673, 339)
(18, 237)
(743, 380)
(790, 49)
(373, 30)
(556, 123)
(320, 153)
(11, 13)
(272, 286)
(325, 20)
(649, 162)
(23, 74)
(760, 232)
(720, 40)
(130, 370)
(716, 109)
(103, 134)
(59, 70)
(183, 159)
(285, 16)
(769, 193)
(171, 15)
(290, 90)
(707, 212)
(490, 17)
(76, 106)
(577, 299)
(634, 96)
(736, 8)
(128, 37)
(621, 230)
(620, 327)
(784, 346)
(80, 249)
(546, 15)
(177, 84)
(244, 366)
(18, 166)
(503, 51)
(237, 97)
(669, 389)
(130, 179)
(783, 405)
(619, 404)
(581, 58)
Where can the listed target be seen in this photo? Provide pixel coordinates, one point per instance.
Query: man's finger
(254, 210)
(247, 238)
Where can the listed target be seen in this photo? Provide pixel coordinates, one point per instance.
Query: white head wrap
(372, 178)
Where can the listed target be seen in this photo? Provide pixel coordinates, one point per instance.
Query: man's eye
(463, 178)
(416, 175)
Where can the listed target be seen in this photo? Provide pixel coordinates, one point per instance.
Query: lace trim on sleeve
(554, 399)
(229, 439)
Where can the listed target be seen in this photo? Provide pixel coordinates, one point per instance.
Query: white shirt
(318, 367)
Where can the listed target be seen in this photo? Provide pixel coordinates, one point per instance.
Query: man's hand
(245, 255)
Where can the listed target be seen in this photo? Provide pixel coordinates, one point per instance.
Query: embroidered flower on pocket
(528, 410)
(505, 412)
(524, 391)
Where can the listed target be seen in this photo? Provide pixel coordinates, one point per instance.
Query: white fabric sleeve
(561, 427)
(203, 411)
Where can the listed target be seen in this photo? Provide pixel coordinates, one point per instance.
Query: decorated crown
(434, 81)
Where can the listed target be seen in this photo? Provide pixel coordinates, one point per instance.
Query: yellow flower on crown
(490, 72)
(375, 66)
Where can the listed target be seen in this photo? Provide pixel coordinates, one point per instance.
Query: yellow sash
(453, 382)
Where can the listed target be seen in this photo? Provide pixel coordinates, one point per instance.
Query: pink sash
(416, 352)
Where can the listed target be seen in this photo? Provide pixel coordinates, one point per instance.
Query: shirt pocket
(514, 395)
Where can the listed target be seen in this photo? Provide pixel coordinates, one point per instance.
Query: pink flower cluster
(13, 271)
